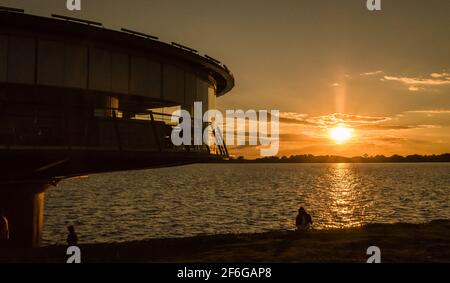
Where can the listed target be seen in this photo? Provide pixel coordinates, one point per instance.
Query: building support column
(23, 204)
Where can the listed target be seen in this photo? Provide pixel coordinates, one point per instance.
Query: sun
(341, 134)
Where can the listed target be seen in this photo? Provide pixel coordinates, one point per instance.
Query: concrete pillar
(23, 204)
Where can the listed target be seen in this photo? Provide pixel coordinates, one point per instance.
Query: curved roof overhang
(91, 31)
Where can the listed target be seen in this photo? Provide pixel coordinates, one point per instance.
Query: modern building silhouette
(77, 98)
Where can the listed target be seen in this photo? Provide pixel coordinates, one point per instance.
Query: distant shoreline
(368, 162)
(443, 158)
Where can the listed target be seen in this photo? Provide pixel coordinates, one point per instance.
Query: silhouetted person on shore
(303, 220)
(4, 228)
(72, 239)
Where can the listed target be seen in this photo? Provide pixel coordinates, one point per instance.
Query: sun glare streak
(341, 134)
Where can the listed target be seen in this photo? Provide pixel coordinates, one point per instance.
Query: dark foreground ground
(398, 243)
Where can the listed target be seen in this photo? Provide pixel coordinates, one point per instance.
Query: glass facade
(117, 98)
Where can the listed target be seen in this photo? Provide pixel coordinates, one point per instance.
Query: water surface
(235, 198)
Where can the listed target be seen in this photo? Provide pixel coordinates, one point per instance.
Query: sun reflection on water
(342, 192)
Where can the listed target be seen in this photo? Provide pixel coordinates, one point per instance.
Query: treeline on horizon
(309, 158)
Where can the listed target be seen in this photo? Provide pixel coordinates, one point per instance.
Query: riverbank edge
(399, 243)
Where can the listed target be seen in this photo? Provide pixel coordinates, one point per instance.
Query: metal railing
(140, 34)
(9, 9)
(70, 19)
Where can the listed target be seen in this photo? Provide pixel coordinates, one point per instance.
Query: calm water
(233, 198)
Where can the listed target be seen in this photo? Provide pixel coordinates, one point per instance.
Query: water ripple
(235, 198)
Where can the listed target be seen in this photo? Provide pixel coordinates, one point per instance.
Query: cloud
(360, 122)
(386, 127)
(293, 115)
(397, 127)
(372, 73)
(300, 126)
(414, 83)
(429, 126)
(341, 118)
(442, 75)
(419, 81)
(401, 140)
(417, 84)
(429, 111)
(294, 118)
(331, 120)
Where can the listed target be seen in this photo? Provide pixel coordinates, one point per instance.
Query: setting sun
(341, 134)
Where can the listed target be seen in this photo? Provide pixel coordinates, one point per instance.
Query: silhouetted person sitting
(4, 228)
(72, 239)
(303, 220)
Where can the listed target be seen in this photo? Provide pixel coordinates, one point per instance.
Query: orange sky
(399, 134)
